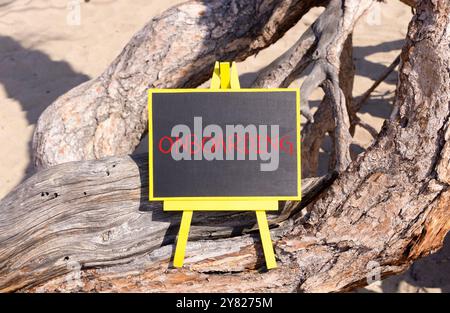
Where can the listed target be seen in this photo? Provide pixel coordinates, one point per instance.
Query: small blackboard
(229, 144)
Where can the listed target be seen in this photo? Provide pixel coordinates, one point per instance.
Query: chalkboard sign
(229, 144)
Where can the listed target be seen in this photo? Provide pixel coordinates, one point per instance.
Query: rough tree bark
(108, 115)
(325, 72)
(314, 133)
(327, 44)
(388, 208)
(97, 213)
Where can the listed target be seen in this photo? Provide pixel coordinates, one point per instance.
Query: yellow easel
(223, 78)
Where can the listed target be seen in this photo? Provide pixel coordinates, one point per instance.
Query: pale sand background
(42, 57)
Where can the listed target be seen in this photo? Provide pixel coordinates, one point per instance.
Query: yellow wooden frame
(221, 198)
(224, 79)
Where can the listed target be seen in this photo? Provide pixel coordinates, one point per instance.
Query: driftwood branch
(322, 44)
(283, 71)
(313, 133)
(97, 213)
(107, 115)
(340, 19)
(325, 45)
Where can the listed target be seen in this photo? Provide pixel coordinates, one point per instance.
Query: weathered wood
(313, 133)
(338, 25)
(97, 213)
(390, 206)
(346, 78)
(287, 67)
(322, 123)
(324, 45)
(108, 115)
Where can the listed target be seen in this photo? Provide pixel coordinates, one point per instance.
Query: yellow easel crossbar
(223, 78)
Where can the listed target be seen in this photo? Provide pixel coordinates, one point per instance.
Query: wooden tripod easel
(223, 77)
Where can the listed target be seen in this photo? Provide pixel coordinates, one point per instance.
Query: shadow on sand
(33, 79)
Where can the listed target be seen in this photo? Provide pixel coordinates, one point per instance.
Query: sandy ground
(42, 57)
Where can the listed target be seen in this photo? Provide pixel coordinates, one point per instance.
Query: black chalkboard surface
(224, 144)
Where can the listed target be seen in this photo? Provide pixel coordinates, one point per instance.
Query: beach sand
(42, 57)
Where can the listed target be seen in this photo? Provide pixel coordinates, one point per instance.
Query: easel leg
(265, 239)
(182, 238)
